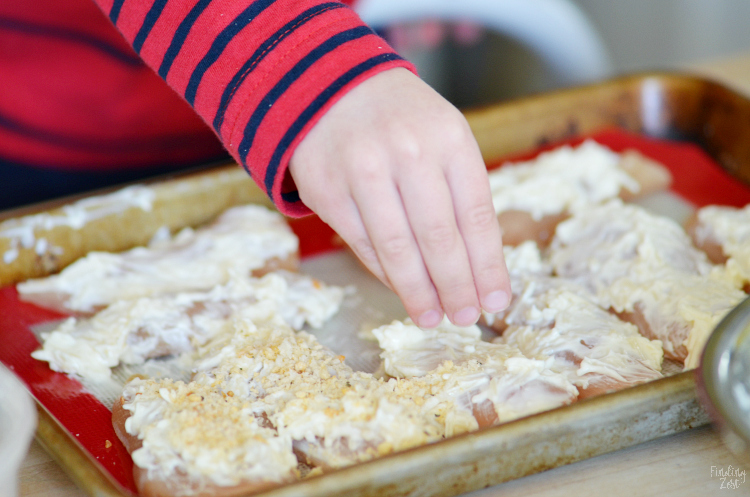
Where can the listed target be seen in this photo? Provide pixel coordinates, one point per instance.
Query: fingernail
(496, 301)
(430, 319)
(466, 317)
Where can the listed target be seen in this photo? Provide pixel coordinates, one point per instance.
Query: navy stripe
(69, 35)
(98, 145)
(221, 42)
(148, 24)
(284, 83)
(114, 13)
(180, 35)
(310, 112)
(260, 54)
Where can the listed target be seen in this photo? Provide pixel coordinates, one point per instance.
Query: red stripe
(218, 76)
(130, 24)
(299, 96)
(214, 19)
(275, 65)
(164, 29)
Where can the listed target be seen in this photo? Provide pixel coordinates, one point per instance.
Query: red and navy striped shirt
(257, 74)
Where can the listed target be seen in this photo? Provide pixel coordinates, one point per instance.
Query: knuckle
(406, 143)
(440, 238)
(413, 290)
(370, 168)
(457, 296)
(456, 131)
(364, 250)
(369, 162)
(410, 149)
(480, 217)
(396, 248)
(490, 276)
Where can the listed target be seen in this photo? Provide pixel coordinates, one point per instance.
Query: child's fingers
(347, 223)
(429, 207)
(477, 221)
(394, 169)
(385, 221)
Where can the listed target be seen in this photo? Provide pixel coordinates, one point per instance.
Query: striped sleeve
(260, 72)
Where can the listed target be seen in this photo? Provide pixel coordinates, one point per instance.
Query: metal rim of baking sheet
(529, 445)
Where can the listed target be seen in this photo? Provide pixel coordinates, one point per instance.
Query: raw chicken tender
(523, 261)
(192, 439)
(724, 234)
(645, 268)
(303, 396)
(532, 197)
(489, 383)
(334, 415)
(594, 349)
(132, 331)
(249, 239)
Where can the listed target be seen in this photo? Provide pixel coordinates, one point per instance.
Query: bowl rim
(714, 374)
(19, 418)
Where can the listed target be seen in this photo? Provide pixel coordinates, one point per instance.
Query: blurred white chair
(556, 30)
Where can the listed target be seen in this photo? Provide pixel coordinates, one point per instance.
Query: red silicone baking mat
(697, 179)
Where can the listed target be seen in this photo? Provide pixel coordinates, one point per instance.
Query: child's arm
(389, 164)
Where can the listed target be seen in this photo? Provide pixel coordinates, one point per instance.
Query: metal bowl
(724, 379)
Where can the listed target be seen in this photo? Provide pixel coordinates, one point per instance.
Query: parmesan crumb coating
(132, 331)
(637, 262)
(193, 436)
(464, 373)
(335, 416)
(242, 239)
(294, 393)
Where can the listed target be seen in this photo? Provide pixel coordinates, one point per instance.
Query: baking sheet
(467, 462)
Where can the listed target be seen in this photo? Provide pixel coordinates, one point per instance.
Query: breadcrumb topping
(132, 331)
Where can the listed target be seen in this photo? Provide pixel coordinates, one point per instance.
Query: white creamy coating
(556, 318)
(334, 415)
(242, 239)
(730, 228)
(21, 231)
(189, 429)
(410, 351)
(522, 261)
(135, 330)
(637, 261)
(463, 368)
(607, 243)
(565, 179)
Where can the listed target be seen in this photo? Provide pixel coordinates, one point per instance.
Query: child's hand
(395, 170)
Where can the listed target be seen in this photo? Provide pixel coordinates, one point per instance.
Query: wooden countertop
(651, 468)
